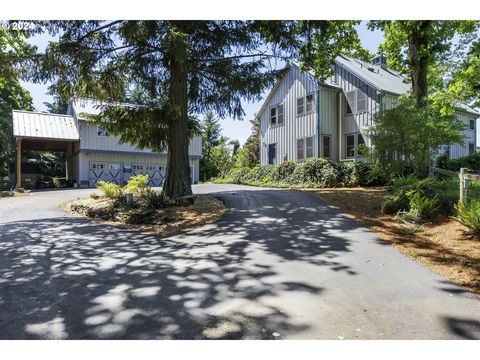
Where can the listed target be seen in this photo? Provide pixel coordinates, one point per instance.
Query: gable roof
(91, 106)
(381, 79)
(384, 80)
(329, 84)
(30, 124)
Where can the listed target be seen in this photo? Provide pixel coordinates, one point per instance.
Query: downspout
(318, 123)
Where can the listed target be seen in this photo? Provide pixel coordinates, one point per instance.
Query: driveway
(281, 264)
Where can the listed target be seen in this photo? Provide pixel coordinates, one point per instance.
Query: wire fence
(469, 185)
(469, 182)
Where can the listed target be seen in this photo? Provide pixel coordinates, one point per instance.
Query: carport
(43, 132)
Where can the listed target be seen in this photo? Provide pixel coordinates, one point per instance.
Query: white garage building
(92, 153)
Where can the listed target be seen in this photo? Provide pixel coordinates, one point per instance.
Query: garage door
(106, 171)
(155, 172)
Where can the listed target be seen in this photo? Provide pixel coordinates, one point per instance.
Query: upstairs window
(361, 101)
(356, 101)
(300, 106)
(276, 115)
(350, 101)
(102, 132)
(472, 124)
(305, 104)
(309, 103)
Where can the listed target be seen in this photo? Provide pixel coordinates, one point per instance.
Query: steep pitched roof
(381, 79)
(385, 80)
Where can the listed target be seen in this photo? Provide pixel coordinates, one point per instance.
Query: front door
(272, 154)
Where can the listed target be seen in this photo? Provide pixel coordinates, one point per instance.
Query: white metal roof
(382, 79)
(29, 124)
(92, 106)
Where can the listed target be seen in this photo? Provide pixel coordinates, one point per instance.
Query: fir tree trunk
(177, 180)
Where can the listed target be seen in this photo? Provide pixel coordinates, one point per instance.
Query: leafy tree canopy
(406, 137)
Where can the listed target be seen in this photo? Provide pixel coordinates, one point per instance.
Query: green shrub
(137, 184)
(110, 190)
(56, 182)
(285, 170)
(469, 214)
(153, 199)
(394, 203)
(471, 162)
(422, 206)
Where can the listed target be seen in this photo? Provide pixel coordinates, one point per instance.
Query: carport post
(19, 163)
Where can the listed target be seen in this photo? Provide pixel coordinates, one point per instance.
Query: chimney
(380, 60)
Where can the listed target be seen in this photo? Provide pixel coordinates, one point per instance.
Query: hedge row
(471, 162)
(312, 173)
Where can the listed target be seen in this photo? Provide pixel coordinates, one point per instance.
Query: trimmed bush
(285, 170)
(469, 214)
(314, 172)
(471, 162)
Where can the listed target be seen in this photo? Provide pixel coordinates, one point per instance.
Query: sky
(233, 129)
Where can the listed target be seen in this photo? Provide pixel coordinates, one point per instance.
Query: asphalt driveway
(281, 264)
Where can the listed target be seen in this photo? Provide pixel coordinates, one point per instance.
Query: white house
(301, 119)
(92, 153)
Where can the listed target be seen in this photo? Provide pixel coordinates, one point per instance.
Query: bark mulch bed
(203, 210)
(446, 246)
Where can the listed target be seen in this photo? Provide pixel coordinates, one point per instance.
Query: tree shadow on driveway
(72, 278)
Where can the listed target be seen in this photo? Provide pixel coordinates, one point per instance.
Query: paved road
(280, 264)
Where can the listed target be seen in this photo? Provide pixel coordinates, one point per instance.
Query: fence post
(463, 184)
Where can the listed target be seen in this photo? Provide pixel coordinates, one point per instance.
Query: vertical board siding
(359, 121)
(295, 84)
(328, 109)
(456, 150)
(84, 160)
(90, 140)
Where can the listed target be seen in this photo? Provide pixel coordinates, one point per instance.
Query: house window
(276, 115)
(326, 146)
(300, 106)
(360, 142)
(350, 101)
(304, 104)
(102, 132)
(309, 103)
(353, 141)
(304, 148)
(356, 101)
(471, 148)
(309, 147)
(300, 149)
(472, 124)
(350, 146)
(361, 101)
(272, 154)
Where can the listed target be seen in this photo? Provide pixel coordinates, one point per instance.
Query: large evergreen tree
(186, 67)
